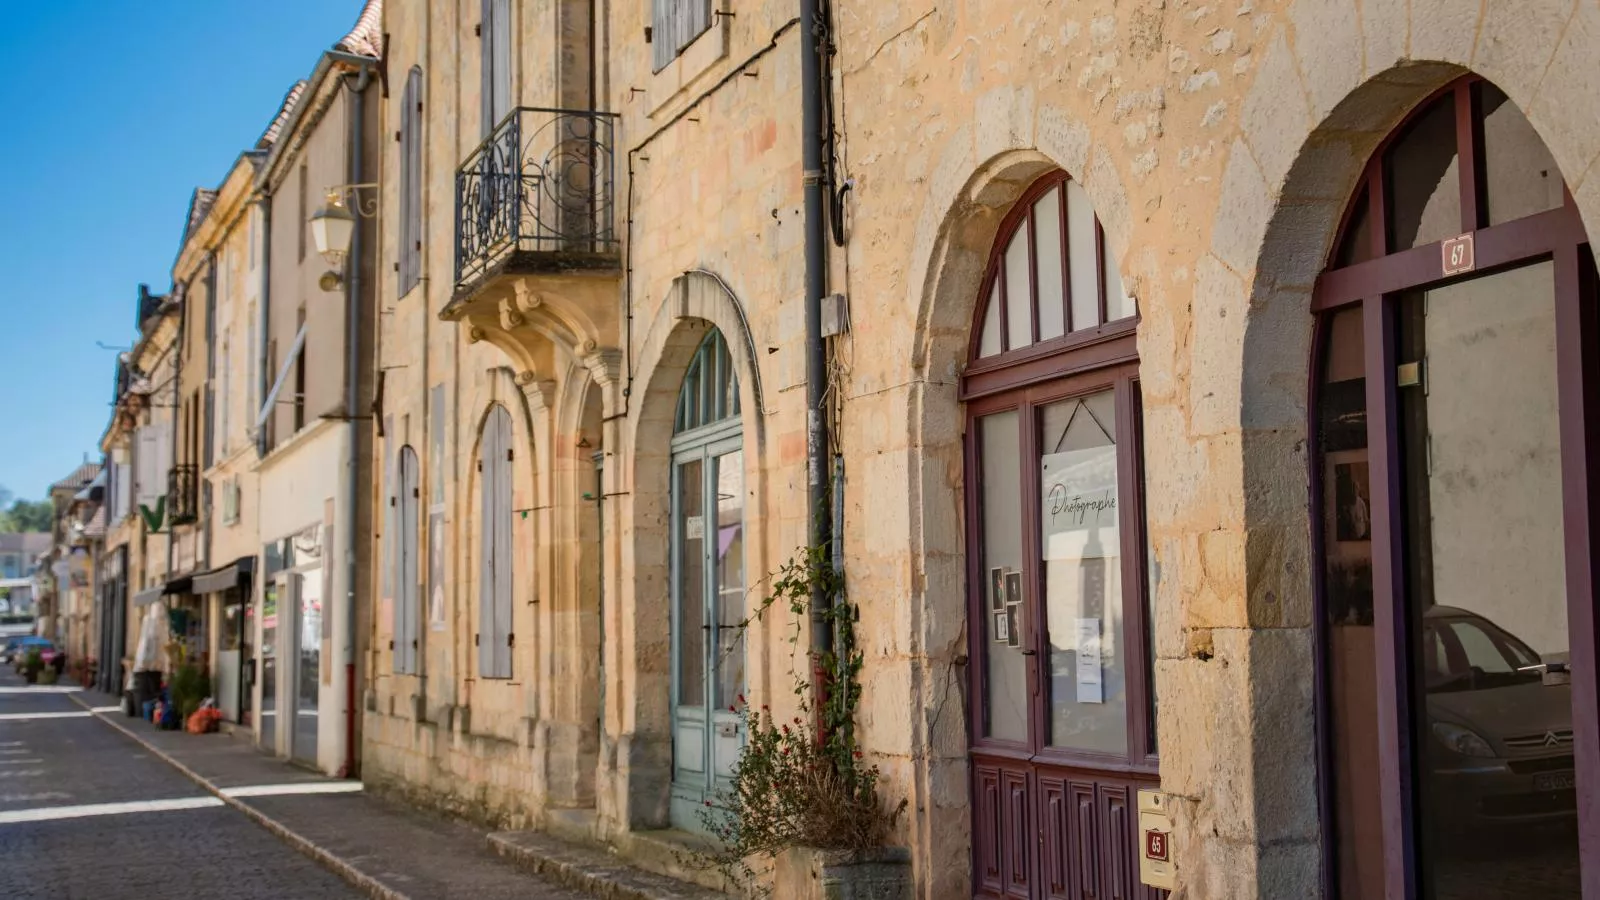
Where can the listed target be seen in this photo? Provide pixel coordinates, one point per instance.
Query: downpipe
(819, 509)
(352, 338)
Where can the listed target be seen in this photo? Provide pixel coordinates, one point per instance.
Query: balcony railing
(540, 185)
(183, 495)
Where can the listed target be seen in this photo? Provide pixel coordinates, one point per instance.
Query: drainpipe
(352, 374)
(819, 510)
(264, 376)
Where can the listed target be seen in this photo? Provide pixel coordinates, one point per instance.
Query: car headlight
(1462, 740)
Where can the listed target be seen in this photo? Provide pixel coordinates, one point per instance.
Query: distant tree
(27, 515)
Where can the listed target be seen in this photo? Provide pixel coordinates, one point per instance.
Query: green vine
(801, 783)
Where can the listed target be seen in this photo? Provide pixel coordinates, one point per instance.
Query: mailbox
(1155, 841)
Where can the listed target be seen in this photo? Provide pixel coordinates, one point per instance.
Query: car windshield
(1471, 654)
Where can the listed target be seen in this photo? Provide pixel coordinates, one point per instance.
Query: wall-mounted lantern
(333, 226)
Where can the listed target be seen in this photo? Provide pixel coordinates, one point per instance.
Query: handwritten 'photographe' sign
(1081, 546)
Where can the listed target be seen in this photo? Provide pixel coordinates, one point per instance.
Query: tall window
(406, 501)
(496, 636)
(674, 24)
(411, 182)
(1056, 575)
(302, 224)
(1448, 517)
(495, 48)
(708, 580)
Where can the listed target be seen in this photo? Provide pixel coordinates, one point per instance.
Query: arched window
(1062, 726)
(708, 580)
(411, 229)
(496, 455)
(407, 635)
(1449, 459)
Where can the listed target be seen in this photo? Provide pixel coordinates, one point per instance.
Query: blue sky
(115, 110)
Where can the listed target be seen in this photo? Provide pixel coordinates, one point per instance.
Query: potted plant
(803, 817)
(189, 688)
(32, 665)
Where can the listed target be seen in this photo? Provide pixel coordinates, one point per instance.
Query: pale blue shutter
(390, 550)
(488, 478)
(495, 46)
(502, 548)
(408, 557)
(411, 182)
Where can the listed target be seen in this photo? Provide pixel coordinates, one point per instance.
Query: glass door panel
(270, 593)
(1081, 546)
(727, 611)
(308, 663)
(689, 750)
(1005, 673)
(1486, 583)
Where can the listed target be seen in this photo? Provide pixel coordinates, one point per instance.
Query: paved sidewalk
(385, 850)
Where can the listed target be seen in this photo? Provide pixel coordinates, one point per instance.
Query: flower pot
(806, 873)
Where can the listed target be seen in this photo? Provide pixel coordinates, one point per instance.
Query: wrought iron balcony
(183, 495)
(537, 195)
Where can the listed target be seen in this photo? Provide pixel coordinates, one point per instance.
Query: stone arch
(501, 387)
(980, 175)
(1329, 90)
(698, 301)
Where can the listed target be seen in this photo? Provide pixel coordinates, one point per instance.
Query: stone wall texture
(1219, 142)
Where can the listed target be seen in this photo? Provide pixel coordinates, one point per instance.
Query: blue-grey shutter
(391, 561)
(408, 557)
(502, 547)
(495, 46)
(661, 49)
(488, 478)
(411, 182)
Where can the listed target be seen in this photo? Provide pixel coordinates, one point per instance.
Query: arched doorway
(1062, 720)
(708, 581)
(1453, 365)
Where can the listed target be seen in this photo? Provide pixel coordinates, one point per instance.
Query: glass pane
(1519, 172)
(1485, 573)
(1019, 289)
(1083, 263)
(1082, 551)
(1424, 187)
(309, 665)
(1047, 253)
(690, 529)
(1118, 304)
(269, 665)
(989, 341)
(1357, 244)
(730, 577)
(1347, 594)
(1005, 669)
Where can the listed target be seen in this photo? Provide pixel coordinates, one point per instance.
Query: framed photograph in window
(997, 589)
(1002, 628)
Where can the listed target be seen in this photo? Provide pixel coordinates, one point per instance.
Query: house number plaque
(1458, 254)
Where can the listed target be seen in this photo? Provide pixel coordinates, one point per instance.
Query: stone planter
(804, 873)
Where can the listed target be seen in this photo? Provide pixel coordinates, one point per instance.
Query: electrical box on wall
(1155, 841)
(835, 315)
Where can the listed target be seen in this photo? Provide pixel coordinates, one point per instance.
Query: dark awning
(232, 575)
(149, 595)
(179, 585)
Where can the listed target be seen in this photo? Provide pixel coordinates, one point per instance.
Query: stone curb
(367, 884)
(589, 871)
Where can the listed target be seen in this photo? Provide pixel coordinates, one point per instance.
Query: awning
(235, 574)
(149, 595)
(179, 585)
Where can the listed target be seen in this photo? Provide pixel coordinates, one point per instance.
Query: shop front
(292, 634)
(227, 592)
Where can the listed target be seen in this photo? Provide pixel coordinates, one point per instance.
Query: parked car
(1500, 757)
(17, 653)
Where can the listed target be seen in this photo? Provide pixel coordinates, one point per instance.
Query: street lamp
(333, 226)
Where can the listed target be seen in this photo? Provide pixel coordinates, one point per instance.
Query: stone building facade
(1207, 168)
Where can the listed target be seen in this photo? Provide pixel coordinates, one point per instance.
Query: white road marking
(13, 751)
(10, 743)
(42, 689)
(22, 717)
(21, 762)
(305, 787)
(105, 709)
(21, 773)
(48, 813)
(33, 798)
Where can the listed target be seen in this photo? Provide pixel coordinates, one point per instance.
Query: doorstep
(595, 870)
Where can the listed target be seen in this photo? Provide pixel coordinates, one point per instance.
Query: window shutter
(487, 543)
(699, 19)
(661, 37)
(389, 570)
(411, 186)
(502, 59)
(406, 649)
(404, 241)
(502, 551)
